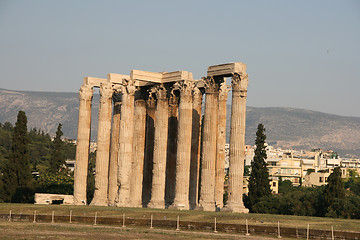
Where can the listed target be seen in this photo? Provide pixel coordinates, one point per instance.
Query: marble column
(160, 147)
(114, 148)
(149, 149)
(82, 145)
(237, 144)
(195, 148)
(138, 150)
(221, 141)
(171, 148)
(207, 185)
(126, 138)
(183, 156)
(103, 146)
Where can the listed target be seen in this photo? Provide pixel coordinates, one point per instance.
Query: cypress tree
(335, 188)
(57, 159)
(259, 183)
(17, 178)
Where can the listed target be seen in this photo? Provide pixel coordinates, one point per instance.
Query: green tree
(334, 189)
(259, 184)
(17, 177)
(57, 159)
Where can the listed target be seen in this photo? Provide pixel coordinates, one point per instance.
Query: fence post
(52, 217)
(215, 226)
(151, 221)
(178, 223)
(95, 218)
(34, 216)
(307, 232)
(279, 236)
(332, 232)
(10, 216)
(70, 216)
(123, 225)
(247, 228)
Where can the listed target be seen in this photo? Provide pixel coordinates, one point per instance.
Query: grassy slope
(253, 219)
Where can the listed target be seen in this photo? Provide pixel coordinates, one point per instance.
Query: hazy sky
(301, 54)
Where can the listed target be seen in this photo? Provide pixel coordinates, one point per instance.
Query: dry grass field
(197, 216)
(30, 230)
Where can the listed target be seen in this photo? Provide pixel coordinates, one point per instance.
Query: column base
(79, 202)
(179, 206)
(155, 204)
(204, 206)
(237, 208)
(99, 203)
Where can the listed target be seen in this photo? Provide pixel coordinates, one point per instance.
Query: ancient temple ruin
(148, 142)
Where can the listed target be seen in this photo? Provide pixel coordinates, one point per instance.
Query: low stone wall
(189, 225)
(48, 198)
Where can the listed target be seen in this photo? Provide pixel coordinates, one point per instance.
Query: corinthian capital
(239, 82)
(186, 87)
(210, 85)
(150, 102)
(128, 87)
(160, 92)
(223, 91)
(197, 95)
(86, 92)
(173, 98)
(106, 91)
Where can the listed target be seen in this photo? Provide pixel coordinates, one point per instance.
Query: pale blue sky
(301, 54)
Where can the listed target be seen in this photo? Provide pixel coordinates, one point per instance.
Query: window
(274, 184)
(321, 179)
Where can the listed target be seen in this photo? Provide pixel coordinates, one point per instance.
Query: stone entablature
(148, 151)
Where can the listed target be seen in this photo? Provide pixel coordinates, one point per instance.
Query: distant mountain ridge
(285, 127)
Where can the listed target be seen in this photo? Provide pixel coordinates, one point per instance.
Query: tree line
(30, 161)
(339, 198)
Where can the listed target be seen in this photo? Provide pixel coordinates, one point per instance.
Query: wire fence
(178, 224)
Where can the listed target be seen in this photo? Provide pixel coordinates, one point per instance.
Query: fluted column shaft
(195, 148)
(160, 147)
(114, 148)
(138, 149)
(221, 141)
(149, 149)
(82, 145)
(183, 156)
(171, 149)
(103, 147)
(237, 144)
(126, 135)
(207, 188)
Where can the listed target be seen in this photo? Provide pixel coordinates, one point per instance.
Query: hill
(285, 127)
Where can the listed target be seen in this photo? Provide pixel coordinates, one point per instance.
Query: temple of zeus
(149, 139)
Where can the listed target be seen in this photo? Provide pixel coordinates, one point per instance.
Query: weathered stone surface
(149, 149)
(47, 198)
(171, 147)
(114, 149)
(207, 187)
(160, 149)
(103, 146)
(82, 148)
(126, 139)
(93, 82)
(221, 141)
(237, 144)
(138, 150)
(183, 158)
(195, 148)
(226, 70)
